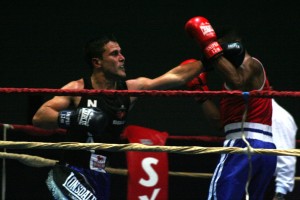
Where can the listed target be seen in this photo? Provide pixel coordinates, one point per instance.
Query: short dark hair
(228, 34)
(94, 48)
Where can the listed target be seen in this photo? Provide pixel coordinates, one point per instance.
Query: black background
(41, 47)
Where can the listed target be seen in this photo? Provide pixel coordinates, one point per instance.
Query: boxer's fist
(200, 29)
(198, 83)
(92, 120)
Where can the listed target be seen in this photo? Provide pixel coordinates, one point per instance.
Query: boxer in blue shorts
(236, 116)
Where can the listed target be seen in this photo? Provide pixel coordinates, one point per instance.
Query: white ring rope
(142, 147)
(29, 160)
(36, 161)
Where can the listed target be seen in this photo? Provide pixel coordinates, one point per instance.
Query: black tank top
(116, 107)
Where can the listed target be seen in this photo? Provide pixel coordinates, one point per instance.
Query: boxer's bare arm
(46, 116)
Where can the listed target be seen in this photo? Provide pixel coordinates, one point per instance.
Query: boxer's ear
(96, 62)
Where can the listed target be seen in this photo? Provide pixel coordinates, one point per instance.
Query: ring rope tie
(248, 149)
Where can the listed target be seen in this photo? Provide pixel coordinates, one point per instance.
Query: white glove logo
(85, 116)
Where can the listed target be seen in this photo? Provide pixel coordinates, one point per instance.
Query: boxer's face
(113, 61)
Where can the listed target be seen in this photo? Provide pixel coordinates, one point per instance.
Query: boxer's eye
(115, 53)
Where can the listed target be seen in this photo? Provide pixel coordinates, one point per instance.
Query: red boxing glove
(188, 61)
(198, 83)
(200, 29)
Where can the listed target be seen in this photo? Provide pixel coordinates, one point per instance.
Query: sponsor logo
(85, 116)
(77, 189)
(97, 162)
(213, 48)
(92, 103)
(117, 122)
(121, 113)
(206, 29)
(146, 141)
(65, 118)
(152, 180)
(234, 46)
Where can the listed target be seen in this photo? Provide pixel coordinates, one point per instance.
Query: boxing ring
(38, 161)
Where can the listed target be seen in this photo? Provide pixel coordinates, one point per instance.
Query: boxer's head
(231, 42)
(228, 34)
(104, 55)
(95, 48)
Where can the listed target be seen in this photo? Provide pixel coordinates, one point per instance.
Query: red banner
(147, 171)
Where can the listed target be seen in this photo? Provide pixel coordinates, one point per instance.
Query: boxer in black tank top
(101, 118)
(117, 109)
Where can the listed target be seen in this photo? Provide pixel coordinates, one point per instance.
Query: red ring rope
(63, 92)
(38, 131)
(32, 130)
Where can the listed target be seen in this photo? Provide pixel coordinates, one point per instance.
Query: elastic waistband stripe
(249, 130)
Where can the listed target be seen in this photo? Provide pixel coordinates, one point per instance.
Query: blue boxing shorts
(69, 182)
(231, 174)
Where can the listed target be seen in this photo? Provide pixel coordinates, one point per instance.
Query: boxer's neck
(100, 82)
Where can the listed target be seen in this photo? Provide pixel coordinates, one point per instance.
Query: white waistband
(251, 130)
(250, 135)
